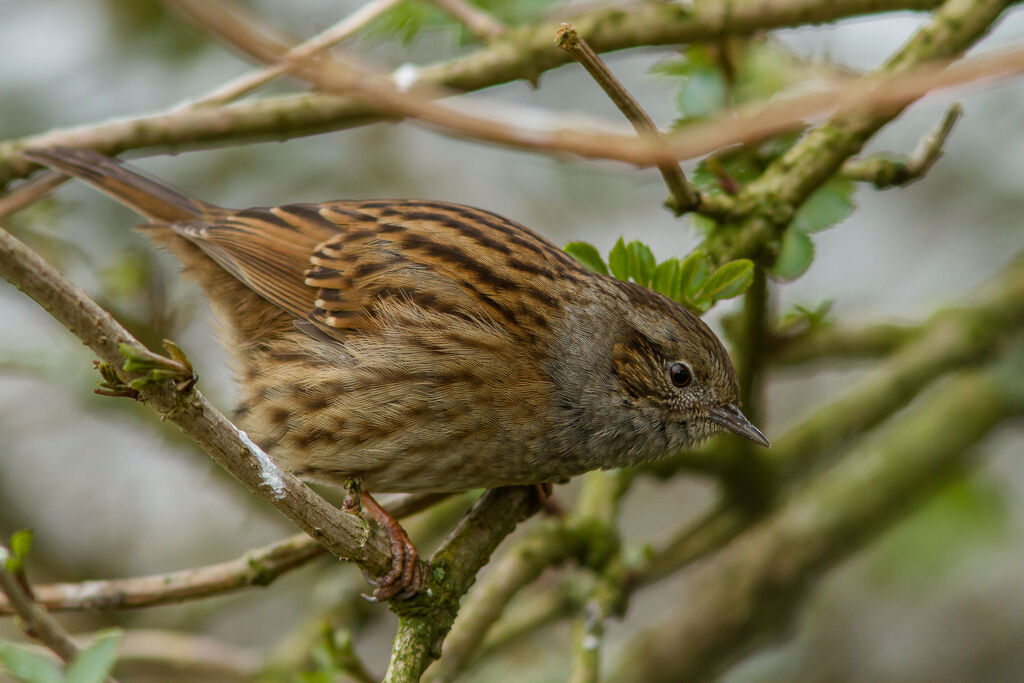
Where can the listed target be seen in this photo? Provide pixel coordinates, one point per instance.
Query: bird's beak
(730, 417)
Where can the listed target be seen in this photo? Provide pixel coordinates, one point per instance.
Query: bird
(398, 345)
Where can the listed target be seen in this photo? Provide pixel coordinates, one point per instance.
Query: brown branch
(199, 657)
(684, 196)
(531, 54)
(425, 620)
(258, 567)
(417, 101)
(342, 534)
(245, 84)
(36, 622)
(752, 588)
(30, 191)
(885, 172)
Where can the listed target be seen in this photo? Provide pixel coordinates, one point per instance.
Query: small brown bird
(427, 346)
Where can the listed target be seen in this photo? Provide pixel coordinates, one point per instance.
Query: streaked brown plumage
(427, 346)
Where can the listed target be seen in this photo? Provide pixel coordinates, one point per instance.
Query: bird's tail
(156, 200)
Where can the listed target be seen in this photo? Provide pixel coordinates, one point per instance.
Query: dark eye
(680, 374)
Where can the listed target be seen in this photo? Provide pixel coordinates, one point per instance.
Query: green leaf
(693, 275)
(730, 280)
(641, 263)
(829, 204)
(94, 664)
(28, 665)
(666, 278)
(795, 255)
(703, 93)
(588, 256)
(704, 225)
(20, 545)
(618, 260)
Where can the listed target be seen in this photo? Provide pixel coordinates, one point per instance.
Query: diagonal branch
(35, 620)
(684, 196)
(530, 54)
(425, 619)
(752, 587)
(884, 172)
(245, 84)
(342, 534)
(771, 200)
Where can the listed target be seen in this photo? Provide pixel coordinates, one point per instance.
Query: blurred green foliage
(407, 20)
(928, 547)
(92, 665)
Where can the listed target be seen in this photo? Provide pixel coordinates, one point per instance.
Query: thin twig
(684, 196)
(30, 191)
(480, 23)
(36, 622)
(885, 172)
(258, 567)
(345, 28)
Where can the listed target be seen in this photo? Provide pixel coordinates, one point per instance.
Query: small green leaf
(829, 204)
(20, 545)
(730, 280)
(703, 93)
(666, 278)
(28, 665)
(641, 262)
(588, 256)
(795, 255)
(693, 275)
(618, 260)
(94, 664)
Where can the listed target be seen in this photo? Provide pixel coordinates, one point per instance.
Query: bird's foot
(404, 580)
(545, 491)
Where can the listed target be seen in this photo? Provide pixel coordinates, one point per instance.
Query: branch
(529, 54)
(751, 588)
(342, 534)
(772, 198)
(588, 535)
(684, 196)
(884, 172)
(393, 97)
(188, 655)
(245, 84)
(425, 619)
(832, 342)
(35, 620)
(258, 567)
(950, 340)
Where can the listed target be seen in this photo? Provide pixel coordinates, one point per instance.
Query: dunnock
(426, 346)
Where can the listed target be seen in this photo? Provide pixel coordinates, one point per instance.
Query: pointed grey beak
(730, 417)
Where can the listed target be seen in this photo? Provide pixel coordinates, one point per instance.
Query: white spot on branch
(406, 76)
(270, 472)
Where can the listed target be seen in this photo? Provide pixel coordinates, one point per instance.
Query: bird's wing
(445, 259)
(340, 264)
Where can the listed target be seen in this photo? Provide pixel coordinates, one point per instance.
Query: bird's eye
(680, 374)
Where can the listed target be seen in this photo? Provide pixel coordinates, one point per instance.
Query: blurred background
(110, 492)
